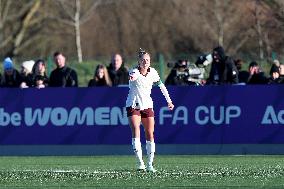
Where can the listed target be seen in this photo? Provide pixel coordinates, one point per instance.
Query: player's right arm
(166, 95)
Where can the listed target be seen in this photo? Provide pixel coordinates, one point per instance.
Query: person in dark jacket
(40, 78)
(179, 75)
(280, 80)
(173, 78)
(26, 74)
(101, 77)
(274, 74)
(223, 69)
(243, 74)
(117, 71)
(62, 76)
(11, 77)
(256, 75)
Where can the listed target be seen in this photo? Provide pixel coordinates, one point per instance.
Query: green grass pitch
(119, 172)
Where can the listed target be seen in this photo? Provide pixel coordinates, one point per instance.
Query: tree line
(86, 29)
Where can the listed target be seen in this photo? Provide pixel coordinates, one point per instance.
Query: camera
(186, 73)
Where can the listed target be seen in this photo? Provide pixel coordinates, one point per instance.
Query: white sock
(150, 147)
(136, 144)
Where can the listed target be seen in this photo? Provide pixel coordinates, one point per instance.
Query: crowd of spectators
(223, 70)
(33, 74)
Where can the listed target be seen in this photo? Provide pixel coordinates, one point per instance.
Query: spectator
(223, 69)
(117, 72)
(11, 77)
(281, 74)
(174, 78)
(183, 74)
(274, 74)
(26, 74)
(101, 77)
(243, 75)
(256, 75)
(276, 62)
(252, 69)
(62, 76)
(40, 79)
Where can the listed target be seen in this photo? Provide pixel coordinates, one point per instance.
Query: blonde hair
(141, 53)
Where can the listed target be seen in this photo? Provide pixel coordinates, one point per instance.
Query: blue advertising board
(96, 116)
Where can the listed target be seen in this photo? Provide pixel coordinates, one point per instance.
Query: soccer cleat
(150, 168)
(141, 167)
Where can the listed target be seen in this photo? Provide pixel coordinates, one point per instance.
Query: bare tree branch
(25, 8)
(258, 29)
(77, 31)
(5, 10)
(26, 23)
(28, 42)
(75, 18)
(85, 17)
(67, 9)
(240, 43)
(220, 21)
(6, 41)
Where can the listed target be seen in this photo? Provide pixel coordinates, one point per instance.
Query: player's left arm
(165, 93)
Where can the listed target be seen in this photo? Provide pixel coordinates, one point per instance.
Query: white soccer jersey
(139, 95)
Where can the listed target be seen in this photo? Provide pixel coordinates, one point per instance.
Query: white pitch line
(68, 171)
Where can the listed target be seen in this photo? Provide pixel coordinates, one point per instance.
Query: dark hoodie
(63, 77)
(11, 81)
(36, 77)
(223, 71)
(273, 69)
(119, 77)
(99, 83)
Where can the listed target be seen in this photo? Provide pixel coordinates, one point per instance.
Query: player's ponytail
(141, 53)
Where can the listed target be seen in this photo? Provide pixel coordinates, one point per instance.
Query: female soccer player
(139, 106)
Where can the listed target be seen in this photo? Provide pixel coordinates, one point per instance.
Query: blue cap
(8, 63)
